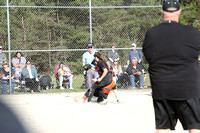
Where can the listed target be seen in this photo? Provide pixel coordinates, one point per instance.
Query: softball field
(59, 113)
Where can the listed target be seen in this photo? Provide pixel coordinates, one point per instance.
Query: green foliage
(77, 67)
(190, 14)
(69, 28)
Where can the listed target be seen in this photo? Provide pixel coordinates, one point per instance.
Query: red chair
(65, 82)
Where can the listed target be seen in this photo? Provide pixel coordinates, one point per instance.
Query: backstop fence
(48, 32)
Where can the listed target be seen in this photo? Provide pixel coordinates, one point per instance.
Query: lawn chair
(65, 82)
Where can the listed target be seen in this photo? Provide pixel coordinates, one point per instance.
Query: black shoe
(100, 99)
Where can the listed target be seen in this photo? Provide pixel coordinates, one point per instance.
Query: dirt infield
(59, 113)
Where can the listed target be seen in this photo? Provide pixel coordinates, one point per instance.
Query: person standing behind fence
(113, 55)
(2, 56)
(172, 50)
(18, 62)
(87, 58)
(134, 53)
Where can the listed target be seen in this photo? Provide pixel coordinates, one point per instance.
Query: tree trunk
(49, 45)
(24, 40)
(25, 37)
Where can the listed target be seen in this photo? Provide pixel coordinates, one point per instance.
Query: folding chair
(65, 82)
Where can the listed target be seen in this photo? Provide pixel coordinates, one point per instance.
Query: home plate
(78, 99)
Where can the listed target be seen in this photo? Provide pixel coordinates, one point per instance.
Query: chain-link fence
(48, 32)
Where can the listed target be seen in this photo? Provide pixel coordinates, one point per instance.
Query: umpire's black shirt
(171, 50)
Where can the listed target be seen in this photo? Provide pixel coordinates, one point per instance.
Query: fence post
(90, 13)
(8, 24)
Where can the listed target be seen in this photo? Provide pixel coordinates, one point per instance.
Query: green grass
(147, 81)
(77, 82)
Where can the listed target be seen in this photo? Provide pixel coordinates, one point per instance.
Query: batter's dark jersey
(172, 50)
(108, 78)
(100, 66)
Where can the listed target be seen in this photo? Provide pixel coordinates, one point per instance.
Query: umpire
(172, 50)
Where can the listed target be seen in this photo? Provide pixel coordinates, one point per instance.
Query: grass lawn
(77, 83)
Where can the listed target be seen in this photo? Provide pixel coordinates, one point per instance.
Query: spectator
(136, 71)
(18, 62)
(2, 56)
(5, 78)
(29, 73)
(172, 50)
(112, 55)
(134, 53)
(65, 73)
(199, 60)
(88, 57)
(117, 72)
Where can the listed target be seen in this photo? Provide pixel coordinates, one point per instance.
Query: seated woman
(65, 73)
(117, 72)
(5, 78)
(29, 73)
(18, 62)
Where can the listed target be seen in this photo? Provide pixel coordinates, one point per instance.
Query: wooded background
(50, 31)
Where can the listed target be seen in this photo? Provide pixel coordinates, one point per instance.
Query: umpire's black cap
(90, 45)
(170, 5)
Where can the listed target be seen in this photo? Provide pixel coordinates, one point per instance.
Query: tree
(69, 28)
